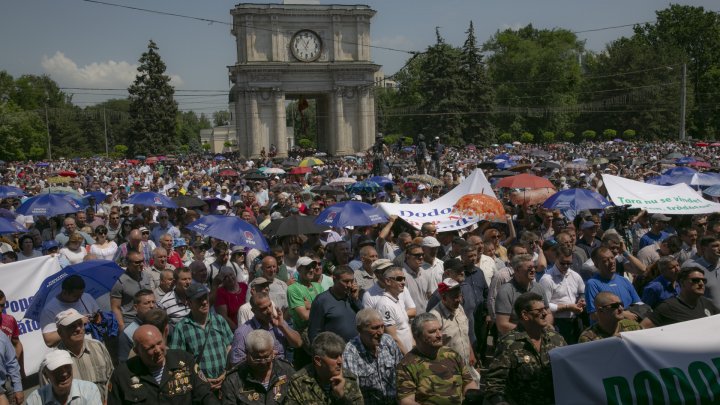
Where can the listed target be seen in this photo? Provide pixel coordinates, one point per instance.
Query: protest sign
(675, 364)
(20, 281)
(675, 199)
(440, 211)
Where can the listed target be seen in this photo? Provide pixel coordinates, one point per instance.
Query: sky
(88, 45)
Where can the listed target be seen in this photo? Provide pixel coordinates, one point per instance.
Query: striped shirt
(93, 364)
(176, 309)
(191, 337)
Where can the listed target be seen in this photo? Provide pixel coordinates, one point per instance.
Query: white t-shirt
(393, 313)
(372, 296)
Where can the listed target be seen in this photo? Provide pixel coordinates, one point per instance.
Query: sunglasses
(101, 232)
(698, 280)
(146, 233)
(417, 255)
(399, 279)
(564, 263)
(137, 262)
(614, 306)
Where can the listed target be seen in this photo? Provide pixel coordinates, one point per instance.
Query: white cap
(57, 358)
(430, 242)
(329, 237)
(67, 317)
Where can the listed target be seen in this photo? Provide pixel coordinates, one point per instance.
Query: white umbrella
(274, 170)
(342, 181)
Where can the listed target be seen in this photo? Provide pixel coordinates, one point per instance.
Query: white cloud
(108, 74)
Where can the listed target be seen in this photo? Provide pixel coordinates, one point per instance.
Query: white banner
(676, 199)
(439, 211)
(20, 281)
(675, 364)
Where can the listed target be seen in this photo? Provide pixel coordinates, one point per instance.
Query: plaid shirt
(190, 336)
(376, 375)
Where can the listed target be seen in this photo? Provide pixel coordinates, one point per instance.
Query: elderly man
(364, 276)
(607, 279)
(173, 258)
(176, 302)
(204, 334)
(63, 388)
(373, 357)
(610, 319)
(418, 282)
(503, 275)
(134, 243)
(564, 289)
(520, 373)
(392, 308)
(454, 323)
(72, 295)
(158, 375)
(70, 227)
(143, 301)
(523, 281)
(91, 360)
(165, 285)
(689, 305)
(324, 381)
(159, 263)
(334, 310)
(664, 286)
(431, 372)
(262, 378)
(265, 317)
(278, 288)
(164, 227)
(432, 266)
(123, 292)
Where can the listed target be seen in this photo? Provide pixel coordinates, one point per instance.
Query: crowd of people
(374, 314)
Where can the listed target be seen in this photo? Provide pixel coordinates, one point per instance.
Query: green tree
(609, 134)
(629, 134)
(119, 151)
(478, 94)
(589, 135)
(527, 137)
(221, 118)
(22, 133)
(153, 109)
(568, 136)
(548, 136)
(505, 137)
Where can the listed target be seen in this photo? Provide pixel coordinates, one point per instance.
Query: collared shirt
(176, 309)
(81, 393)
(372, 296)
(500, 277)
(364, 279)
(659, 290)
(509, 292)
(393, 313)
(420, 286)
(376, 373)
(560, 289)
(159, 231)
(712, 275)
(238, 351)
(617, 285)
(439, 380)
(435, 271)
(329, 313)
(93, 364)
(213, 340)
(297, 294)
(9, 366)
(125, 289)
(487, 266)
(454, 326)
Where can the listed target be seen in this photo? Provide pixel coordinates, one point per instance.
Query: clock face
(306, 46)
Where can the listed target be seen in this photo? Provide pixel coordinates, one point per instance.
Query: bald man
(134, 242)
(158, 375)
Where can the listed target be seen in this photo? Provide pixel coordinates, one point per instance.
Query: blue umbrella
(232, 230)
(99, 276)
(685, 160)
(49, 205)
(676, 171)
(576, 199)
(713, 191)
(350, 213)
(6, 213)
(382, 181)
(502, 156)
(42, 164)
(10, 191)
(363, 187)
(506, 164)
(99, 196)
(219, 157)
(10, 226)
(151, 199)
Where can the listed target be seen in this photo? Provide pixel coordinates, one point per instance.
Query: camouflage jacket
(304, 389)
(596, 333)
(519, 374)
(433, 381)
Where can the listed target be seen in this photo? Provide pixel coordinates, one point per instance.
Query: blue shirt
(9, 366)
(331, 314)
(650, 238)
(658, 291)
(81, 393)
(617, 285)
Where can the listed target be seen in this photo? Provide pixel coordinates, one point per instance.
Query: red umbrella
(132, 161)
(151, 160)
(701, 144)
(525, 181)
(300, 170)
(480, 206)
(698, 163)
(67, 173)
(715, 144)
(228, 173)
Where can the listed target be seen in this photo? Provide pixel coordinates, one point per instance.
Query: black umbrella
(255, 176)
(287, 188)
(327, 190)
(294, 225)
(549, 164)
(188, 201)
(290, 162)
(488, 164)
(504, 173)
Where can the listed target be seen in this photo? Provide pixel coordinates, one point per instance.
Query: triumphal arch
(289, 52)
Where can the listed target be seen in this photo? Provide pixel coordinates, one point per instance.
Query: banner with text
(440, 211)
(675, 364)
(20, 281)
(675, 199)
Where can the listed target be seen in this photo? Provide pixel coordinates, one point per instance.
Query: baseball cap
(306, 261)
(430, 242)
(381, 265)
(57, 358)
(179, 242)
(258, 281)
(221, 208)
(365, 241)
(239, 249)
(587, 225)
(447, 285)
(49, 245)
(329, 237)
(143, 229)
(660, 217)
(196, 290)
(67, 317)
(200, 245)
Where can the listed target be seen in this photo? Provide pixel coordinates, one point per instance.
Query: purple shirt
(238, 353)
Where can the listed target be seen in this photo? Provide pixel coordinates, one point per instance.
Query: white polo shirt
(393, 313)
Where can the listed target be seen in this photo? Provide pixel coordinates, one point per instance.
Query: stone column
(362, 120)
(280, 135)
(254, 134)
(340, 134)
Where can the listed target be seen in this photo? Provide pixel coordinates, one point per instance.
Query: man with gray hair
(523, 281)
(308, 386)
(373, 357)
(262, 378)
